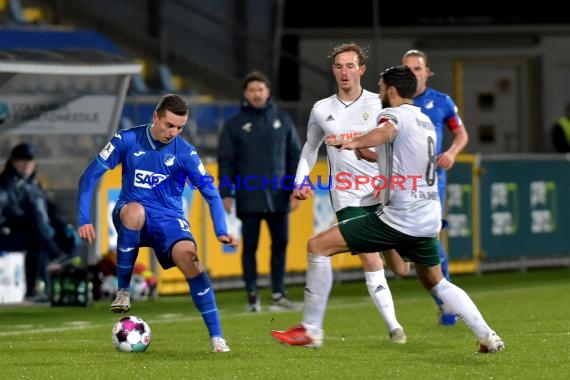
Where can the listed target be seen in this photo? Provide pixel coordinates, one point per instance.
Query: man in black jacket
(28, 221)
(258, 154)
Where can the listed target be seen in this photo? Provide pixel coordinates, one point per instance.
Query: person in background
(408, 219)
(156, 165)
(261, 144)
(561, 132)
(443, 113)
(349, 112)
(30, 222)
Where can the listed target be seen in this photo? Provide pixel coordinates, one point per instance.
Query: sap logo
(148, 180)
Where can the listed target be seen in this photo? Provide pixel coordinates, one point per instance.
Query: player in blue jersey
(156, 164)
(443, 113)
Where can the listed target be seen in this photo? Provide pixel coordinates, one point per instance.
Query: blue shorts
(160, 232)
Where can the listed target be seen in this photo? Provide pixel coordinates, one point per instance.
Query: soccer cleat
(219, 344)
(299, 336)
(282, 304)
(398, 336)
(122, 302)
(446, 319)
(254, 304)
(493, 343)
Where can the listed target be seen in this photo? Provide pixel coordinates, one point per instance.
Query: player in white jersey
(408, 220)
(335, 119)
(345, 115)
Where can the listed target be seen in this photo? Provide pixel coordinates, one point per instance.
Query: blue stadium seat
(16, 11)
(138, 85)
(165, 79)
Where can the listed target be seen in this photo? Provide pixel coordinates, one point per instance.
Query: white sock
(456, 301)
(382, 297)
(318, 286)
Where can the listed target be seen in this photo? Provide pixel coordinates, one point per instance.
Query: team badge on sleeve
(107, 150)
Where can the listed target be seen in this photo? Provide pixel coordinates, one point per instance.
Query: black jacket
(263, 144)
(26, 210)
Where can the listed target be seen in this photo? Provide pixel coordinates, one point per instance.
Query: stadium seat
(138, 85)
(24, 15)
(165, 79)
(16, 11)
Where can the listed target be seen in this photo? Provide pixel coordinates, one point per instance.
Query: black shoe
(254, 304)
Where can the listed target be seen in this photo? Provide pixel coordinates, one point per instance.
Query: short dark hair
(172, 103)
(402, 78)
(255, 76)
(361, 52)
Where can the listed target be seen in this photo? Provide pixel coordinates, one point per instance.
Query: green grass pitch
(530, 310)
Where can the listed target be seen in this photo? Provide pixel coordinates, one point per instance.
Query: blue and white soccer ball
(131, 334)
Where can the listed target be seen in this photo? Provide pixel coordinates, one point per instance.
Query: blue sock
(203, 296)
(444, 265)
(127, 251)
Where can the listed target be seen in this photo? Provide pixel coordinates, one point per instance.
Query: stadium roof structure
(69, 61)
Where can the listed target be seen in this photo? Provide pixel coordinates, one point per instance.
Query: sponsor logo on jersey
(139, 153)
(193, 153)
(148, 180)
(330, 118)
(169, 159)
(329, 139)
(429, 104)
(118, 135)
(107, 150)
(365, 116)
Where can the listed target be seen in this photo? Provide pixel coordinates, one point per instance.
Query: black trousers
(278, 224)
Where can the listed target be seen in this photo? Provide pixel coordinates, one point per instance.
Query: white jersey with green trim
(407, 163)
(332, 119)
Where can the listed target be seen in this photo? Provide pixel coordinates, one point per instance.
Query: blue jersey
(153, 174)
(442, 112)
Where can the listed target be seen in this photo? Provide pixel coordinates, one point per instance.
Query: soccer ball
(131, 334)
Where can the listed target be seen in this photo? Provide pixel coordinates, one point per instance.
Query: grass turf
(529, 310)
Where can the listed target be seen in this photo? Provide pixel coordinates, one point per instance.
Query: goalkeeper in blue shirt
(156, 164)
